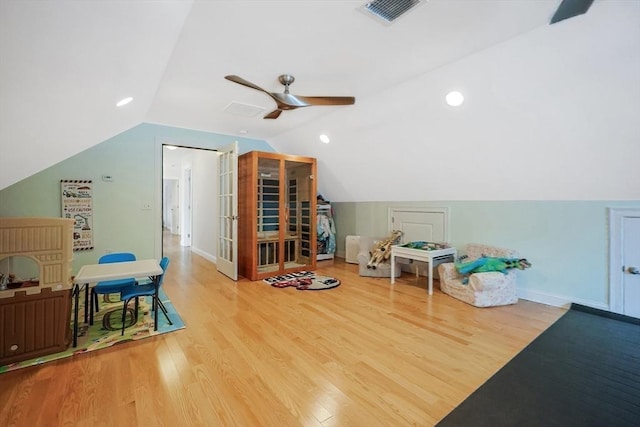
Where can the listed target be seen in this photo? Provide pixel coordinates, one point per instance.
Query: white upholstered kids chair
(483, 289)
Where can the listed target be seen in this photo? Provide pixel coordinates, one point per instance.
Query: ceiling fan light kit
(288, 101)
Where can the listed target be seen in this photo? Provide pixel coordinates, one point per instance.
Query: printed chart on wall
(76, 204)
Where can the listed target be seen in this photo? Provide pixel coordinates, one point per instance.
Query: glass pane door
(227, 245)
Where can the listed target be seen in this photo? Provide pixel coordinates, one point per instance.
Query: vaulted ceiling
(65, 64)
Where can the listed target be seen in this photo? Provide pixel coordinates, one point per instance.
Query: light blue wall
(566, 241)
(130, 158)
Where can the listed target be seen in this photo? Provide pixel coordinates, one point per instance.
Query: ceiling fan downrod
(286, 80)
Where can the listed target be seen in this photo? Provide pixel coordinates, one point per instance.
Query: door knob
(633, 270)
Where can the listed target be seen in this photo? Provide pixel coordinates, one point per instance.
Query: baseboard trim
(203, 254)
(543, 298)
(605, 313)
(558, 300)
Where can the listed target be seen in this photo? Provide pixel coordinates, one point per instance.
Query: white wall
(205, 194)
(170, 205)
(134, 160)
(547, 140)
(566, 241)
(549, 115)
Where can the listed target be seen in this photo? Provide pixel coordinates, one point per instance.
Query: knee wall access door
(420, 224)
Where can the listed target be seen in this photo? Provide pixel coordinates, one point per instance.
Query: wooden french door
(227, 247)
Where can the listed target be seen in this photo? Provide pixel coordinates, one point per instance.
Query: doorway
(189, 194)
(624, 261)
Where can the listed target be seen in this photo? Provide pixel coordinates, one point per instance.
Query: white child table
(428, 256)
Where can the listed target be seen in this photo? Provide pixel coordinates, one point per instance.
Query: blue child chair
(144, 289)
(110, 286)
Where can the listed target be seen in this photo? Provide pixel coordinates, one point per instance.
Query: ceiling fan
(288, 101)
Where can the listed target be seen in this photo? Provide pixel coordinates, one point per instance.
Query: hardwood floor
(362, 354)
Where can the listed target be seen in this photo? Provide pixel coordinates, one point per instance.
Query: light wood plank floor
(363, 354)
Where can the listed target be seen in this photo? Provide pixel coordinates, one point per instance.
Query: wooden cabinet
(35, 306)
(34, 325)
(276, 214)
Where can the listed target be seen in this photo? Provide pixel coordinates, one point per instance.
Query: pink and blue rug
(107, 327)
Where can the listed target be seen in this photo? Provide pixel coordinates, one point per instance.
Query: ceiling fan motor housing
(286, 80)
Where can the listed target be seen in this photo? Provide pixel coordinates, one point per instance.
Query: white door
(624, 261)
(188, 216)
(420, 224)
(631, 266)
(174, 203)
(227, 248)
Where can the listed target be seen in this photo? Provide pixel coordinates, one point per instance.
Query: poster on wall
(76, 204)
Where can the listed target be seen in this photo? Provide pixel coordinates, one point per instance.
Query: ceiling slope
(63, 67)
(330, 47)
(548, 115)
(66, 63)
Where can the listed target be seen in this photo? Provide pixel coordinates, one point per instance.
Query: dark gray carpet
(584, 370)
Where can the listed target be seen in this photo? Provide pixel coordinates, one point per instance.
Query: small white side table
(421, 255)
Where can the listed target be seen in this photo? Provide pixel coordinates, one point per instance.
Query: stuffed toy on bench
(373, 258)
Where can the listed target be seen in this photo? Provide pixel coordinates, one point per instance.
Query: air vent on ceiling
(389, 10)
(243, 109)
(569, 9)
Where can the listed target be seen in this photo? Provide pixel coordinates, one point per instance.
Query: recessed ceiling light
(124, 101)
(242, 132)
(324, 138)
(455, 98)
(170, 147)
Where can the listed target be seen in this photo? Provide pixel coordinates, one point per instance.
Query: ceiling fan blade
(274, 114)
(327, 100)
(287, 101)
(246, 83)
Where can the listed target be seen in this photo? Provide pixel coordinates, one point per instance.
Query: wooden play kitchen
(35, 287)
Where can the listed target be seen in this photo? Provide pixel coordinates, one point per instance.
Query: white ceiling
(64, 64)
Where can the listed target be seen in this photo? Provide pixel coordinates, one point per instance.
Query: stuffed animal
(484, 264)
(382, 250)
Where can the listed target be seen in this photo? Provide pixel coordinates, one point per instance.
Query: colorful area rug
(303, 281)
(107, 327)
